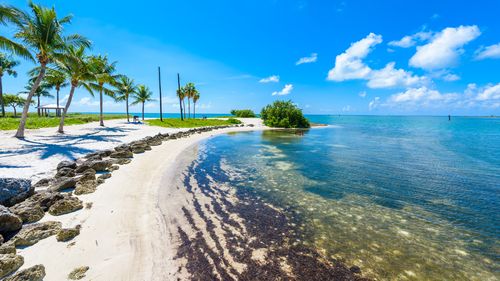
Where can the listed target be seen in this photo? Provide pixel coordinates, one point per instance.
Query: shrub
(243, 113)
(284, 114)
(233, 121)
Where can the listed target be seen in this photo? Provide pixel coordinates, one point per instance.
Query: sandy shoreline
(123, 235)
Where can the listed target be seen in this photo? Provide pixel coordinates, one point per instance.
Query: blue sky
(357, 57)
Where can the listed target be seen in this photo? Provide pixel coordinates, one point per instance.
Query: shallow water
(404, 198)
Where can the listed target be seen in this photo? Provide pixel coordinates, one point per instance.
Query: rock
(122, 161)
(113, 168)
(355, 269)
(78, 273)
(10, 263)
(7, 248)
(67, 234)
(43, 182)
(83, 167)
(8, 221)
(32, 233)
(86, 187)
(123, 147)
(66, 164)
(46, 198)
(65, 172)
(34, 273)
(28, 210)
(62, 183)
(138, 149)
(1, 239)
(101, 165)
(13, 191)
(105, 176)
(122, 154)
(65, 206)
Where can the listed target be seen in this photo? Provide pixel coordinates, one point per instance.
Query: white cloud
(272, 78)
(411, 40)
(362, 94)
(310, 59)
(450, 77)
(88, 101)
(490, 92)
(445, 48)
(285, 91)
(390, 77)
(490, 52)
(374, 103)
(346, 108)
(422, 95)
(349, 65)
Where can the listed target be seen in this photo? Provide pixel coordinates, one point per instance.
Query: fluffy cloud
(490, 52)
(411, 40)
(362, 94)
(451, 77)
(444, 48)
(374, 103)
(310, 59)
(491, 92)
(346, 108)
(272, 78)
(422, 96)
(349, 65)
(285, 91)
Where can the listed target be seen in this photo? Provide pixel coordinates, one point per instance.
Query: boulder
(114, 168)
(65, 206)
(123, 147)
(78, 273)
(86, 187)
(65, 172)
(355, 269)
(43, 182)
(13, 191)
(82, 168)
(46, 198)
(7, 248)
(121, 161)
(32, 233)
(101, 165)
(34, 273)
(66, 164)
(28, 210)
(62, 183)
(67, 234)
(8, 221)
(1, 239)
(105, 176)
(122, 154)
(10, 263)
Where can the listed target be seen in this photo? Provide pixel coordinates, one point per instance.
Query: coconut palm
(41, 91)
(181, 94)
(190, 90)
(57, 80)
(142, 96)
(104, 74)
(7, 65)
(76, 67)
(125, 87)
(40, 33)
(196, 97)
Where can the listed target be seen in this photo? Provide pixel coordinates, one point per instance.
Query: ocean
(403, 198)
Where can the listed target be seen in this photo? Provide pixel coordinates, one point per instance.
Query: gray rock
(29, 211)
(7, 248)
(101, 165)
(32, 233)
(114, 168)
(46, 198)
(122, 161)
(8, 221)
(34, 273)
(10, 263)
(123, 147)
(122, 154)
(66, 164)
(65, 206)
(62, 183)
(43, 182)
(83, 167)
(86, 187)
(13, 191)
(78, 273)
(105, 176)
(65, 172)
(1, 239)
(67, 234)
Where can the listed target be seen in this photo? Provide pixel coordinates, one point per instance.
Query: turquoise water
(404, 198)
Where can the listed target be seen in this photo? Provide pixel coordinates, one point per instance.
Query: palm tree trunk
(15, 113)
(38, 105)
(184, 106)
(194, 110)
(63, 115)
(101, 119)
(126, 102)
(179, 89)
(189, 107)
(57, 110)
(24, 116)
(142, 111)
(1, 97)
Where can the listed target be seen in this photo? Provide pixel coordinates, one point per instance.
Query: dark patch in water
(326, 192)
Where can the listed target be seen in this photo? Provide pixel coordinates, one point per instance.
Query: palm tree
(40, 34)
(41, 91)
(104, 73)
(76, 67)
(7, 65)
(142, 95)
(125, 86)
(196, 97)
(190, 90)
(57, 80)
(181, 94)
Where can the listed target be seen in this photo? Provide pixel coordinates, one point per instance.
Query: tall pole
(179, 89)
(159, 84)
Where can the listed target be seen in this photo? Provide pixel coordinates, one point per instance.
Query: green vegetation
(284, 114)
(188, 91)
(191, 123)
(35, 122)
(243, 113)
(142, 96)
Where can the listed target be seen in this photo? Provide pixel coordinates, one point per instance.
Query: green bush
(284, 114)
(243, 113)
(233, 121)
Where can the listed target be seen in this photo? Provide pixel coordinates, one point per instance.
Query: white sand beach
(124, 234)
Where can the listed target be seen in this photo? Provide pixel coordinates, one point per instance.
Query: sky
(385, 57)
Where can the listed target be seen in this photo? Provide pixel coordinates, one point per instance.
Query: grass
(34, 122)
(191, 123)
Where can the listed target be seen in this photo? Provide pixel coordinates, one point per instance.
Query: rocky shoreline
(21, 211)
